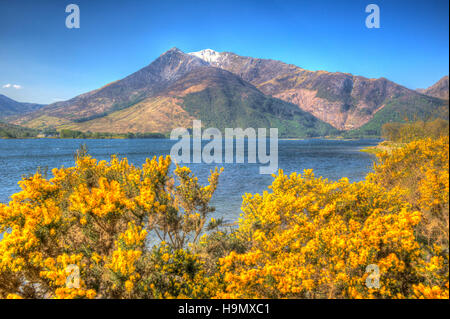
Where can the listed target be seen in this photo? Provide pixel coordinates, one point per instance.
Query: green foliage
(403, 109)
(115, 107)
(230, 106)
(15, 131)
(407, 132)
(146, 135)
(65, 133)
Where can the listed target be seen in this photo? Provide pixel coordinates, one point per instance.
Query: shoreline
(383, 146)
(167, 137)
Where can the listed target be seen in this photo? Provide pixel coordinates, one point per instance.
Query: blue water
(329, 158)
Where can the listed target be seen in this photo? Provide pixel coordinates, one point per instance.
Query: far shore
(124, 137)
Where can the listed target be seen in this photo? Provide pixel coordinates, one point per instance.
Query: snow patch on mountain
(207, 55)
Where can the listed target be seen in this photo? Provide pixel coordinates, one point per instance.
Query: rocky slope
(148, 81)
(440, 89)
(343, 100)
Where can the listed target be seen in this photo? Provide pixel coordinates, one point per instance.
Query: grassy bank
(9, 131)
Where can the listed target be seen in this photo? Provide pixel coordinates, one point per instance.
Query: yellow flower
(129, 285)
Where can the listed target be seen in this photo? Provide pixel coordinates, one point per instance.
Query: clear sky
(43, 61)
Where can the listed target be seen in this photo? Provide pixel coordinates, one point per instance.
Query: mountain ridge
(440, 89)
(164, 91)
(10, 107)
(343, 100)
(226, 100)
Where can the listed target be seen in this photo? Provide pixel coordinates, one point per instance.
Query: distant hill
(440, 89)
(403, 109)
(224, 89)
(9, 107)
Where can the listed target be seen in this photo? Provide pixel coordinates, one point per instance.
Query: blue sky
(48, 62)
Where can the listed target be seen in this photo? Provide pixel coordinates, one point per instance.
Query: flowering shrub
(312, 238)
(420, 170)
(134, 232)
(417, 130)
(99, 218)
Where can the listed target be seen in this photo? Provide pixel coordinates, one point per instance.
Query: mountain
(222, 99)
(224, 89)
(9, 107)
(439, 89)
(129, 91)
(172, 91)
(343, 100)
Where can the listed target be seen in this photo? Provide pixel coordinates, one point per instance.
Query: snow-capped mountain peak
(207, 55)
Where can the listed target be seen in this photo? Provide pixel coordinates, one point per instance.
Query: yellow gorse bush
(313, 238)
(140, 233)
(99, 216)
(421, 170)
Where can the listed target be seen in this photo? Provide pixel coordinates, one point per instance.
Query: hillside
(118, 95)
(343, 100)
(439, 90)
(403, 109)
(217, 97)
(15, 131)
(10, 107)
(228, 101)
